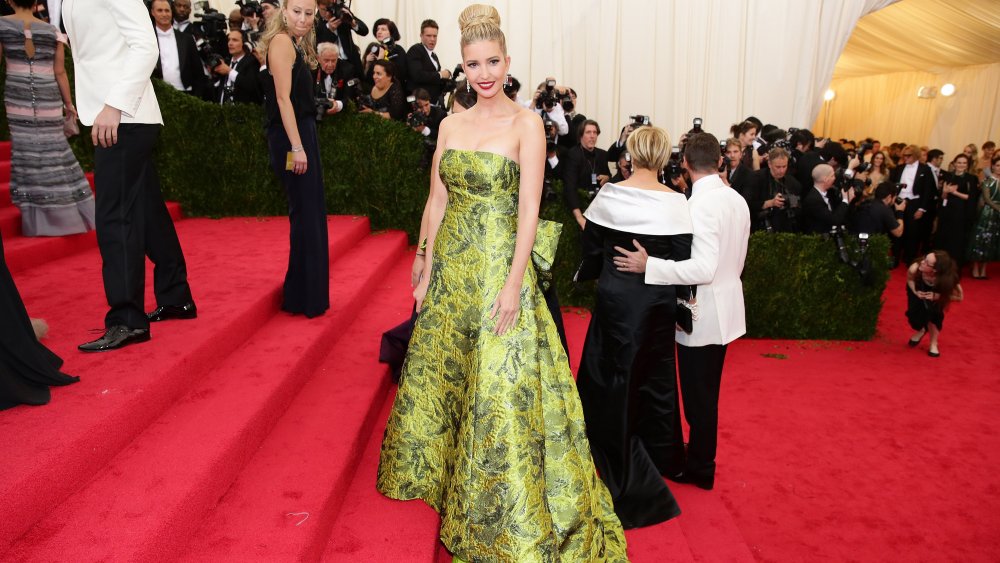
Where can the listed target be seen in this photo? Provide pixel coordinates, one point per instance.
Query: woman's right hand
(299, 162)
(420, 292)
(370, 57)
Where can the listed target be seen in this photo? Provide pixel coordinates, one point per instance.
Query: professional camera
(551, 133)
(337, 10)
(862, 150)
(793, 205)
(896, 188)
(417, 117)
(547, 97)
(213, 39)
(250, 8)
(696, 125)
(567, 102)
(862, 263)
(639, 120)
(844, 184)
(449, 84)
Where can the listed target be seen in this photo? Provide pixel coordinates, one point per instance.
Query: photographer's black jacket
(763, 187)
(817, 218)
(804, 164)
(247, 88)
(346, 42)
(577, 170)
(341, 76)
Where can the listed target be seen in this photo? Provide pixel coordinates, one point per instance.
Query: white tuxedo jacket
(721, 223)
(114, 53)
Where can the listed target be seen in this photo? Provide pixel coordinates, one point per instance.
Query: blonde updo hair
(649, 147)
(479, 22)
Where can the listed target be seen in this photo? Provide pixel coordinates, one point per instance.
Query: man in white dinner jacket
(114, 52)
(721, 225)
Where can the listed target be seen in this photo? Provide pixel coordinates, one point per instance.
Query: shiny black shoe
(167, 312)
(116, 337)
(700, 481)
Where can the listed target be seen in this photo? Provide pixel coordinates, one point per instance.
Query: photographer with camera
(425, 70)
(567, 99)
(882, 214)
(386, 98)
(179, 64)
(618, 147)
(805, 155)
(335, 24)
(425, 118)
(585, 168)
(920, 191)
(775, 196)
(238, 79)
(823, 207)
(546, 103)
(386, 48)
(334, 82)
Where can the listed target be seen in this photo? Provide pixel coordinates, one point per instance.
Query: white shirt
(181, 26)
(826, 200)
(430, 55)
(907, 178)
(170, 61)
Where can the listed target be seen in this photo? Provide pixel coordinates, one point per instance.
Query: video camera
(212, 42)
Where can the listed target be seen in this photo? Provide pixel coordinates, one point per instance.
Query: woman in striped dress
(46, 182)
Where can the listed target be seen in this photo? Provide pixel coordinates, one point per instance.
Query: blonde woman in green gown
(487, 426)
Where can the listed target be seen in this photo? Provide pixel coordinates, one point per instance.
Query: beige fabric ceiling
(928, 35)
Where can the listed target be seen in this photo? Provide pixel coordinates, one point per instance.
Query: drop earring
(508, 81)
(468, 86)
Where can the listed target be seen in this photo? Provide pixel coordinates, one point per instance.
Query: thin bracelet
(297, 148)
(421, 254)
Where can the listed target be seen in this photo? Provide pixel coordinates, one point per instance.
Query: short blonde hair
(479, 22)
(649, 147)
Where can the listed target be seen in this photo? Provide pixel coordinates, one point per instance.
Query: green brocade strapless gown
(488, 429)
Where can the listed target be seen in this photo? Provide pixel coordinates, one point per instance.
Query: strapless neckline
(503, 156)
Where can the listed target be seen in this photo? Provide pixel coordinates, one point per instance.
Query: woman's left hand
(71, 110)
(299, 162)
(506, 308)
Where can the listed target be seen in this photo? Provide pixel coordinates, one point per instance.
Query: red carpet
(251, 435)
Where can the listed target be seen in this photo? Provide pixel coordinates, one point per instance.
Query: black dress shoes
(116, 337)
(167, 312)
(706, 482)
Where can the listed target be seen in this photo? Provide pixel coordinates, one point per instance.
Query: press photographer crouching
(775, 196)
(882, 214)
(585, 168)
(238, 77)
(335, 82)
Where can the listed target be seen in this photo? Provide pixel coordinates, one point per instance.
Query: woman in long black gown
(27, 367)
(627, 379)
(952, 232)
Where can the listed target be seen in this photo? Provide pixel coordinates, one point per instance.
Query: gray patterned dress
(46, 182)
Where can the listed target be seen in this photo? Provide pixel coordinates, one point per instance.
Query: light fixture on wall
(926, 92)
(948, 90)
(829, 95)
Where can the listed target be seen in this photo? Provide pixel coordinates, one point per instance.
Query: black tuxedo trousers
(132, 223)
(700, 369)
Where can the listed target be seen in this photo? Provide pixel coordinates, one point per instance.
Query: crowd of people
(488, 420)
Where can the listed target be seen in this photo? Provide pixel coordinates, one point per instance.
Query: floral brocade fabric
(488, 429)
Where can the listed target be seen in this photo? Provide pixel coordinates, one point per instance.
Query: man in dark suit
(425, 70)
(179, 64)
(334, 77)
(432, 116)
(775, 196)
(805, 156)
(920, 193)
(585, 168)
(822, 206)
(337, 28)
(239, 77)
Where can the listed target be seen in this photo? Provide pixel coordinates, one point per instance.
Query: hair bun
(478, 14)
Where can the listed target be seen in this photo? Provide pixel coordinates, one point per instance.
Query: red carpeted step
(151, 496)
(10, 222)
(5, 170)
(373, 528)
(284, 503)
(23, 253)
(4, 150)
(236, 267)
(5, 200)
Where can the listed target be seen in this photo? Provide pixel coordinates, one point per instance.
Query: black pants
(916, 233)
(132, 223)
(700, 370)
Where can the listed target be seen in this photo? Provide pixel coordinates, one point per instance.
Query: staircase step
(10, 222)
(5, 170)
(147, 501)
(61, 447)
(5, 200)
(373, 528)
(23, 253)
(284, 503)
(4, 150)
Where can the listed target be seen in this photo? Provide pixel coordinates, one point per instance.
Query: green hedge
(213, 159)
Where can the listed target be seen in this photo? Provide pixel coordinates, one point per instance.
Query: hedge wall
(213, 160)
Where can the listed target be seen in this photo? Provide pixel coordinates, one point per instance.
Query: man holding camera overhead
(546, 103)
(335, 24)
